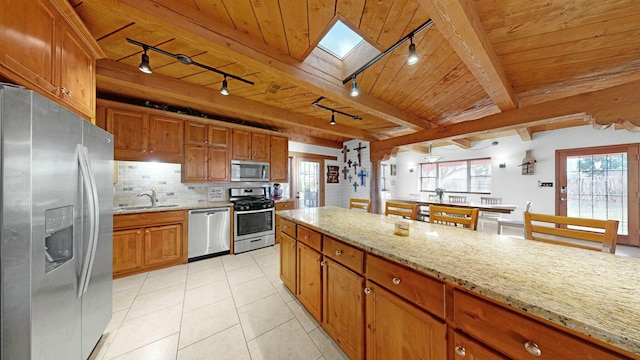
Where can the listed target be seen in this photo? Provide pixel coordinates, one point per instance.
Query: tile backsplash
(164, 178)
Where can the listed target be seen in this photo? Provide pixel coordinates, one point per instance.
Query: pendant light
(354, 88)
(413, 55)
(430, 158)
(144, 64)
(224, 90)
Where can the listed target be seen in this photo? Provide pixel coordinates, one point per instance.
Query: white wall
(509, 183)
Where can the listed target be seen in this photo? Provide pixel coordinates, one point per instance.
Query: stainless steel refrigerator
(56, 220)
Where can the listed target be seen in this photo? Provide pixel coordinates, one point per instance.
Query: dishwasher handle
(209, 211)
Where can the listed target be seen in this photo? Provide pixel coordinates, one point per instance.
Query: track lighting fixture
(333, 111)
(412, 59)
(144, 64)
(186, 60)
(413, 56)
(354, 88)
(224, 90)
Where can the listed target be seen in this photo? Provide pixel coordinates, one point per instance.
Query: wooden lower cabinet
(396, 329)
(148, 241)
(288, 261)
(309, 276)
(343, 307)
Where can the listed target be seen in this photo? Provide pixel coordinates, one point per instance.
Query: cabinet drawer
(284, 205)
(288, 227)
(519, 336)
(346, 255)
(310, 237)
(124, 221)
(419, 289)
(466, 348)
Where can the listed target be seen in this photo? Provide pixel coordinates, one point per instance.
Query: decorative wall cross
(362, 175)
(344, 152)
(355, 169)
(349, 162)
(345, 171)
(355, 186)
(350, 178)
(359, 150)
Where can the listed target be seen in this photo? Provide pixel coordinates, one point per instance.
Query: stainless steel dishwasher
(209, 232)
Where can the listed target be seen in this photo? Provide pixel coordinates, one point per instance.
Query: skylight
(340, 41)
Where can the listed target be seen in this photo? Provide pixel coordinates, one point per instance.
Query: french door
(601, 183)
(308, 182)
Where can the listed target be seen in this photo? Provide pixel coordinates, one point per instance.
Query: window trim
(468, 176)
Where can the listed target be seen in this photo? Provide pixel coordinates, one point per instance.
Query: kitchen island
(591, 296)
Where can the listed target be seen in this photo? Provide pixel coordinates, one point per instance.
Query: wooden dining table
(497, 208)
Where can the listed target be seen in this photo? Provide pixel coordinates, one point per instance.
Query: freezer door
(97, 297)
(56, 236)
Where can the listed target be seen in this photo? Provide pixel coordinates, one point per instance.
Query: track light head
(333, 118)
(413, 55)
(354, 88)
(224, 90)
(144, 63)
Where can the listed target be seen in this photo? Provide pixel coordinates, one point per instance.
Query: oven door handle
(253, 211)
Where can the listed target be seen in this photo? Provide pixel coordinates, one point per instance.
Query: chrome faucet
(151, 194)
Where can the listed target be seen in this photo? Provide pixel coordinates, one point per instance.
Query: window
(340, 41)
(383, 178)
(468, 176)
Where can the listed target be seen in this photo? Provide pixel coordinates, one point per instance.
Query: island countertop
(592, 293)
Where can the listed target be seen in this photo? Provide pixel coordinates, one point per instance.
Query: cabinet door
(260, 147)
(279, 159)
(29, 41)
(162, 244)
(396, 329)
(241, 145)
(130, 134)
(343, 307)
(288, 261)
(309, 289)
(219, 137)
(127, 250)
(194, 167)
(165, 139)
(195, 133)
(77, 73)
(218, 163)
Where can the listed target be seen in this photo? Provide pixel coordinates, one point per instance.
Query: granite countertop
(162, 207)
(593, 293)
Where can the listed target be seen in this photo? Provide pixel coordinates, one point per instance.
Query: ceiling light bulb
(354, 88)
(413, 55)
(224, 90)
(144, 63)
(333, 118)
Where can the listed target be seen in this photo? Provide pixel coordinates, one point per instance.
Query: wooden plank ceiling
(480, 58)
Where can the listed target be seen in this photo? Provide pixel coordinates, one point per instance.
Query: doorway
(601, 183)
(307, 185)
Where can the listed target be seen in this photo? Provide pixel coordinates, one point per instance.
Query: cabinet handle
(293, 245)
(322, 263)
(460, 351)
(306, 237)
(533, 348)
(396, 281)
(367, 290)
(65, 91)
(338, 252)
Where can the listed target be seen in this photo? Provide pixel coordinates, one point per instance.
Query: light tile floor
(229, 307)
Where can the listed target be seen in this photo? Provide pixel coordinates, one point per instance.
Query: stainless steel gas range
(254, 219)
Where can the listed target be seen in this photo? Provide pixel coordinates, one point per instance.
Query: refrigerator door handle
(94, 223)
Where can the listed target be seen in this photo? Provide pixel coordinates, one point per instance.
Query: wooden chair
(581, 234)
(466, 217)
(405, 210)
(457, 199)
(423, 210)
(512, 222)
(360, 204)
(489, 215)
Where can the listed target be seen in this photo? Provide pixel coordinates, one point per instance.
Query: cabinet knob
(460, 351)
(306, 237)
(293, 245)
(367, 290)
(144, 150)
(286, 227)
(138, 232)
(322, 263)
(533, 348)
(65, 91)
(338, 252)
(151, 151)
(396, 281)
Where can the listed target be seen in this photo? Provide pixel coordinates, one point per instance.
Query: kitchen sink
(144, 207)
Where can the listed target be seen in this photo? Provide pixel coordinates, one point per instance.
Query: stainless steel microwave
(249, 171)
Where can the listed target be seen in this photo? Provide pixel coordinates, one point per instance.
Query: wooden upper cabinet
(166, 139)
(219, 136)
(47, 51)
(247, 145)
(279, 159)
(130, 133)
(207, 160)
(195, 133)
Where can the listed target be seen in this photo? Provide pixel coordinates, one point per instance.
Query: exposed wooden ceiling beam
(314, 141)
(111, 72)
(618, 104)
(190, 24)
(463, 143)
(459, 22)
(525, 133)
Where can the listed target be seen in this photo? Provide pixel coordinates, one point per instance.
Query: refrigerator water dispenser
(58, 239)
